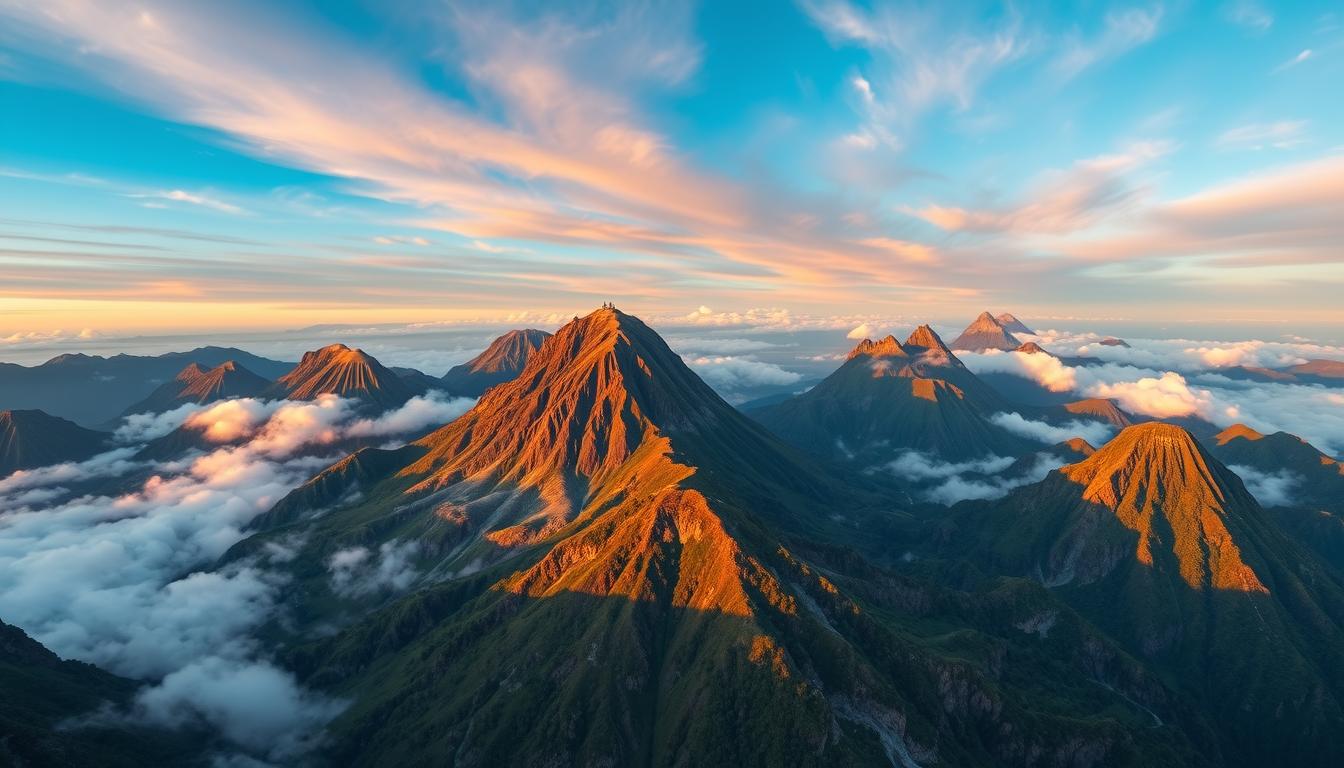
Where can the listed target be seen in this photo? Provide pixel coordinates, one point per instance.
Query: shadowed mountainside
(890, 397)
(1011, 324)
(93, 391)
(31, 439)
(41, 692)
(1311, 506)
(195, 384)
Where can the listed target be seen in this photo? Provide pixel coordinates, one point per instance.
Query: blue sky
(192, 166)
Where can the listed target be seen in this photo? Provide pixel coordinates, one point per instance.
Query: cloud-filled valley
(127, 580)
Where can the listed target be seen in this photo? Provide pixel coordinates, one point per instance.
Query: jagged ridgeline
(615, 567)
(888, 397)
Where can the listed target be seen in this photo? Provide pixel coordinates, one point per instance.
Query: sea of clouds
(1167, 378)
(127, 581)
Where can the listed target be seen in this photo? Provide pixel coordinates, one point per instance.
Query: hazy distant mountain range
(602, 562)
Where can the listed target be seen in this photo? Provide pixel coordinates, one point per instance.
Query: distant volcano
(503, 360)
(195, 384)
(339, 370)
(986, 332)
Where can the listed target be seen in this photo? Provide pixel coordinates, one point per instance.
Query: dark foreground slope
(48, 708)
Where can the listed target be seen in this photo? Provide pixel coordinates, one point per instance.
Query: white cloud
(1123, 31)
(109, 464)
(1179, 377)
(949, 482)
(192, 198)
(1302, 56)
(731, 374)
(1249, 14)
(1046, 370)
(1271, 489)
(1094, 432)
(717, 346)
(116, 580)
(914, 465)
(1162, 396)
(860, 331)
(255, 704)
(43, 338)
(1282, 134)
(140, 427)
(430, 410)
(920, 59)
(357, 571)
(230, 420)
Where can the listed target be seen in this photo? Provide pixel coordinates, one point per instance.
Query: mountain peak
(1237, 431)
(985, 332)
(1032, 348)
(191, 372)
(504, 359)
(1156, 471)
(195, 384)
(1100, 409)
(339, 370)
(925, 338)
(886, 347)
(607, 384)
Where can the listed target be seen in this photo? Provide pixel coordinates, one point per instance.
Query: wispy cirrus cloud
(1303, 55)
(1281, 134)
(1249, 14)
(190, 198)
(1122, 31)
(921, 59)
(1059, 201)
